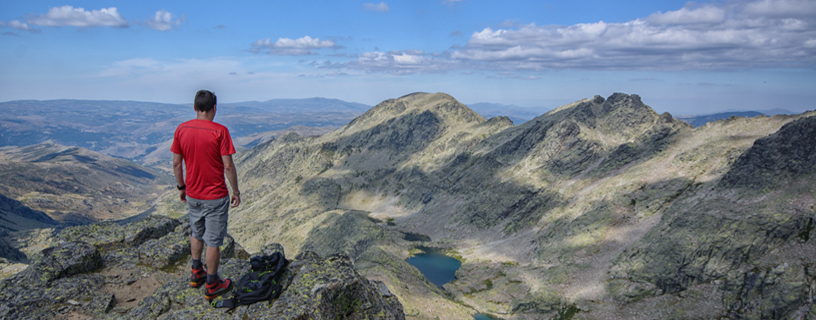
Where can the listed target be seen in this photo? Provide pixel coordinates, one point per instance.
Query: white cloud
(292, 47)
(451, 2)
(725, 35)
(709, 37)
(163, 21)
(382, 7)
(78, 17)
(17, 25)
(782, 8)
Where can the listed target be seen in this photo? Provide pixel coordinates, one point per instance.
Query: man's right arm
(178, 172)
(232, 177)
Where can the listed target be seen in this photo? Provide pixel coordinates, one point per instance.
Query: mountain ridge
(557, 192)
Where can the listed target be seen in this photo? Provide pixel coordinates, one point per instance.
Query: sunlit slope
(366, 165)
(663, 237)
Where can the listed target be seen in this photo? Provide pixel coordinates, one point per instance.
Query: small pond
(438, 268)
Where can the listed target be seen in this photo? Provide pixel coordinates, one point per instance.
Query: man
(206, 149)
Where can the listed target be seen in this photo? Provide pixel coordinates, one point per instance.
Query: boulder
(74, 278)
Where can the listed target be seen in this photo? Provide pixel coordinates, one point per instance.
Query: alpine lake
(437, 267)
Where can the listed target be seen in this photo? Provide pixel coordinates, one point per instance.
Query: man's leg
(196, 246)
(197, 225)
(214, 233)
(213, 258)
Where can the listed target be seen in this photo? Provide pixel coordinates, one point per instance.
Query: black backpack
(262, 283)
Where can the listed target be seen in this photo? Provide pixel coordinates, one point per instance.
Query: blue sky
(682, 57)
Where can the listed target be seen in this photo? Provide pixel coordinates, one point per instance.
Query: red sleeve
(175, 147)
(226, 143)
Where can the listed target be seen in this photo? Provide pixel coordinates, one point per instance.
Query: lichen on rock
(77, 277)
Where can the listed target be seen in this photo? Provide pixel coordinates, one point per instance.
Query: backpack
(262, 283)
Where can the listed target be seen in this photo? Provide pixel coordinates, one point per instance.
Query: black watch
(182, 187)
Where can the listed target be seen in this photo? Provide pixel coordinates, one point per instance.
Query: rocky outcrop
(774, 159)
(315, 288)
(88, 266)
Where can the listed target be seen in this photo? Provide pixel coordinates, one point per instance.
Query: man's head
(204, 100)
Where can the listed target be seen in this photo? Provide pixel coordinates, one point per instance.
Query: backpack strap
(260, 284)
(230, 303)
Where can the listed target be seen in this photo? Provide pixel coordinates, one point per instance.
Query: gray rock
(315, 288)
(105, 235)
(789, 153)
(62, 280)
(63, 261)
(162, 252)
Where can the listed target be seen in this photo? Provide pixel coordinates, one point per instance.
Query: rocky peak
(140, 270)
(440, 105)
(569, 139)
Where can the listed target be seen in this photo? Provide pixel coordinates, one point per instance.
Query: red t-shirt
(202, 143)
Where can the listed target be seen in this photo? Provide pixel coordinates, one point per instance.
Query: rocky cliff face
(777, 159)
(747, 241)
(140, 271)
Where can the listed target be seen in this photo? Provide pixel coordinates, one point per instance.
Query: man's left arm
(232, 177)
(178, 172)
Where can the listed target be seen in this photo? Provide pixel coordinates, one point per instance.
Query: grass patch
(567, 312)
(454, 254)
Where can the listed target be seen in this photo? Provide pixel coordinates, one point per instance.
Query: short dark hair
(204, 100)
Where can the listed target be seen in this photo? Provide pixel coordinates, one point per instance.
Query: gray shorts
(208, 220)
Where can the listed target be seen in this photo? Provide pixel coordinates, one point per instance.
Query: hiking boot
(217, 288)
(198, 278)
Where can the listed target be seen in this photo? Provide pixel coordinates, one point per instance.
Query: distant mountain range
(309, 105)
(136, 130)
(701, 120)
(140, 131)
(518, 114)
